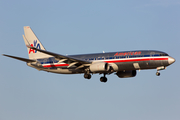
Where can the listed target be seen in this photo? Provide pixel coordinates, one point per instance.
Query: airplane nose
(171, 60)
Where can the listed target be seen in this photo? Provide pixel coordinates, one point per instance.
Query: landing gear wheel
(103, 79)
(158, 73)
(87, 76)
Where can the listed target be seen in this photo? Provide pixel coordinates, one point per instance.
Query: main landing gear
(103, 79)
(87, 76)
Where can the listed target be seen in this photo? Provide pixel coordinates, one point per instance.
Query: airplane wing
(19, 58)
(66, 59)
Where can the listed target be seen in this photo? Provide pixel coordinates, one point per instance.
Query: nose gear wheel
(158, 73)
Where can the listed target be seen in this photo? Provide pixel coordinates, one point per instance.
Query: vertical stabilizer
(31, 39)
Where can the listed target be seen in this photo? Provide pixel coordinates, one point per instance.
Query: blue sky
(75, 27)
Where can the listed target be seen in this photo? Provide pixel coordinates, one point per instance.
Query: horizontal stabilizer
(19, 58)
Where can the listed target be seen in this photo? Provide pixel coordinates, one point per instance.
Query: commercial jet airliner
(124, 64)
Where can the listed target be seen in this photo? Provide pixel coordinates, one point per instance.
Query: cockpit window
(164, 54)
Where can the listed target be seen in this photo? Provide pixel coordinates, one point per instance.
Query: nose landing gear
(160, 68)
(158, 73)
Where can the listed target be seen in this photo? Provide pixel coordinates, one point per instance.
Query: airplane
(124, 63)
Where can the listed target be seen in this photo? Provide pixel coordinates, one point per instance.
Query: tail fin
(31, 39)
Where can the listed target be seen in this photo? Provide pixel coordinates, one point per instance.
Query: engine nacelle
(126, 74)
(99, 67)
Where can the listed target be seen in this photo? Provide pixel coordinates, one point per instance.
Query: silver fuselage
(120, 61)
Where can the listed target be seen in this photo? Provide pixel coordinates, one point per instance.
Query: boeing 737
(124, 64)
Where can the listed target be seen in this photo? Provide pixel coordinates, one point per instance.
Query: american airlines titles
(127, 53)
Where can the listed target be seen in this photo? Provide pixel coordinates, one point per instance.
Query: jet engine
(126, 74)
(99, 67)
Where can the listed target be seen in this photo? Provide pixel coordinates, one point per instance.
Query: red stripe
(58, 65)
(113, 61)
